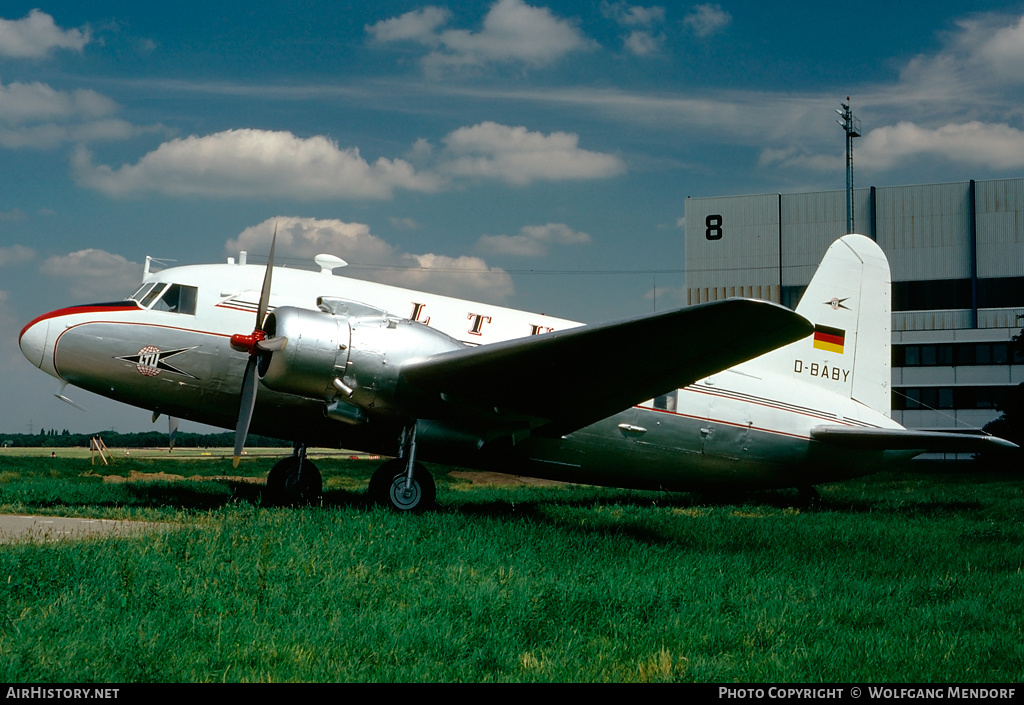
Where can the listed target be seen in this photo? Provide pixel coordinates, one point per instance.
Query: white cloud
(633, 15)
(12, 215)
(464, 276)
(35, 115)
(372, 258)
(641, 40)
(50, 135)
(305, 238)
(973, 143)
(94, 274)
(16, 254)
(641, 43)
(36, 35)
(512, 32)
(418, 26)
(403, 223)
(33, 102)
(255, 163)
(518, 156)
(792, 157)
(707, 19)
(958, 105)
(1003, 51)
(984, 50)
(532, 240)
(252, 163)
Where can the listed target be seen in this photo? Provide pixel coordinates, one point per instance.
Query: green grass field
(894, 578)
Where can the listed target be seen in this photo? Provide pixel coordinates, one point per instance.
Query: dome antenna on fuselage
(328, 263)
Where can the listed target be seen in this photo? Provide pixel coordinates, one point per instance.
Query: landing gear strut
(294, 480)
(404, 484)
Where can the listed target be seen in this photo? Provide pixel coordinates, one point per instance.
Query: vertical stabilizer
(849, 303)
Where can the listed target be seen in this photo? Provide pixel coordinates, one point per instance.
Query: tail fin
(849, 303)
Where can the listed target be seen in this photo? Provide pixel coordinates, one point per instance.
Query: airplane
(737, 393)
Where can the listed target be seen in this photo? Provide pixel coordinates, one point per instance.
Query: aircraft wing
(907, 439)
(571, 378)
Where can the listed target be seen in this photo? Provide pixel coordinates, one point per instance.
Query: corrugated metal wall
(743, 245)
(925, 230)
(810, 223)
(732, 244)
(1000, 218)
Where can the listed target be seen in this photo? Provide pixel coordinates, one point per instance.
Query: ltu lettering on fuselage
(819, 369)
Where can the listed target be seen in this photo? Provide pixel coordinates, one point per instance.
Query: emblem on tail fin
(828, 338)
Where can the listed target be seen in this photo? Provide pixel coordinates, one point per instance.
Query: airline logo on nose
(151, 361)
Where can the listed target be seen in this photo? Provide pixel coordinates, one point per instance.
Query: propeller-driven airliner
(732, 394)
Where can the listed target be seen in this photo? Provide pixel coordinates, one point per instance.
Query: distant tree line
(150, 439)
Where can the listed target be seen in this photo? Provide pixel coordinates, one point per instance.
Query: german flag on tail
(831, 339)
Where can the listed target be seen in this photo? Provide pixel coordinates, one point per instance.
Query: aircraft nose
(33, 340)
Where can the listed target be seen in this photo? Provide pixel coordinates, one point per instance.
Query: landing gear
(402, 483)
(390, 487)
(294, 480)
(807, 496)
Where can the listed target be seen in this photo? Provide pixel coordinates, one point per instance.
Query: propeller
(254, 344)
(172, 429)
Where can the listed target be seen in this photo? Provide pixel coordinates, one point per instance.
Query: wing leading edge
(907, 439)
(571, 378)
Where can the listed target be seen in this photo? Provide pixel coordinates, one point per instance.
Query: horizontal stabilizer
(907, 439)
(571, 378)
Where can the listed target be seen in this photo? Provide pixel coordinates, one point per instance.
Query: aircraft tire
(387, 487)
(284, 487)
(808, 496)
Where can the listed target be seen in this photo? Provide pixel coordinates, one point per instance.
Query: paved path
(41, 528)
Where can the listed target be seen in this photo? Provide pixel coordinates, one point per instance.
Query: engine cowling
(354, 360)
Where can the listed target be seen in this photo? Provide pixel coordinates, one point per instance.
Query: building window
(955, 354)
(916, 398)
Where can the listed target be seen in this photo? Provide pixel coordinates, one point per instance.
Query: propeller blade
(172, 432)
(245, 408)
(261, 313)
(272, 344)
(251, 343)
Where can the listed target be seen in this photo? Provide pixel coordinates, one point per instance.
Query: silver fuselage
(746, 426)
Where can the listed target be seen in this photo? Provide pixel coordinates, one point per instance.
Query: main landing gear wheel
(389, 488)
(808, 496)
(286, 484)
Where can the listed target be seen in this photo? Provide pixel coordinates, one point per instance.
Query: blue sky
(536, 155)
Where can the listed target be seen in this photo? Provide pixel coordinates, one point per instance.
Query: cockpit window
(139, 295)
(178, 298)
(151, 295)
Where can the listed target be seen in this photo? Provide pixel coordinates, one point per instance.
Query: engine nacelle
(350, 359)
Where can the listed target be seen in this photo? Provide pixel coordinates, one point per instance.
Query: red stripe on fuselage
(87, 308)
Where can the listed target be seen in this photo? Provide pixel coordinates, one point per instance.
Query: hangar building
(957, 256)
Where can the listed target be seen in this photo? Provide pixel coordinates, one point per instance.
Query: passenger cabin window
(178, 298)
(665, 402)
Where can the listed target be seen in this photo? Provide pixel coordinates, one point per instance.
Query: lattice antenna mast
(851, 126)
